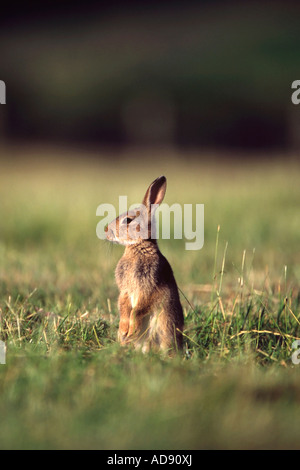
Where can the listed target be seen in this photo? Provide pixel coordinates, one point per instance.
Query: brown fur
(149, 305)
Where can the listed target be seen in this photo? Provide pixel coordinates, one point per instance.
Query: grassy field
(68, 384)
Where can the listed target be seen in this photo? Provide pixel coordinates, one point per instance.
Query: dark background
(206, 74)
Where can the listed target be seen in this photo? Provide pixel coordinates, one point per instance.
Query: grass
(68, 384)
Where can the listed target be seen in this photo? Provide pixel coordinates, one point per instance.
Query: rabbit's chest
(134, 298)
(134, 277)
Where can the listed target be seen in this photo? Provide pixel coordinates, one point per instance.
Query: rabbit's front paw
(122, 336)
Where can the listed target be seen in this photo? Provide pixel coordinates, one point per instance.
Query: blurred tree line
(184, 73)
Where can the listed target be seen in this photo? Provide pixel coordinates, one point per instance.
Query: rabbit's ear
(156, 192)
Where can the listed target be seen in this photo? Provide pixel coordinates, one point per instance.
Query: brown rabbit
(150, 310)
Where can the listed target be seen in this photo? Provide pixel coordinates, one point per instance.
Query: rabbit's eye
(126, 220)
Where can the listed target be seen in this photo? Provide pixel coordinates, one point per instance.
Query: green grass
(68, 384)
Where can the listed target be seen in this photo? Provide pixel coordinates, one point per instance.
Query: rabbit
(151, 315)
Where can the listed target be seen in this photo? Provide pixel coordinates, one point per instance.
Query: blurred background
(207, 74)
(102, 97)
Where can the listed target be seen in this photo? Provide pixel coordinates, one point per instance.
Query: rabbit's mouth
(113, 238)
(123, 235)
(110, 235)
